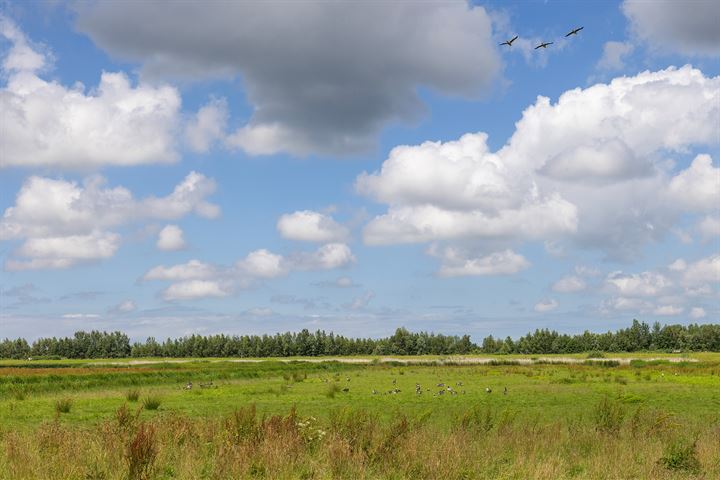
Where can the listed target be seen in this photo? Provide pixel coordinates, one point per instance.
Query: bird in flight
(574, 32)
(544, 45)
(509, 42)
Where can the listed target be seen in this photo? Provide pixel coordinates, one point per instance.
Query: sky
(179, 167)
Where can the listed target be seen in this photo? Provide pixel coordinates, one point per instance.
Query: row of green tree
(640, 336)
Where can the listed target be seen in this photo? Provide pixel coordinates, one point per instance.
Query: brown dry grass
(352, 444)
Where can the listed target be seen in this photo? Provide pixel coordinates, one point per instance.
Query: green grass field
(647, 419)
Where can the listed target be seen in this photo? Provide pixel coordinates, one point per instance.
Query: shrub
(608, 415)
(46, 357)
(602, 363)
(151, 402)
(681, 455)
(63, 405)
(596, 354)
(132, 395)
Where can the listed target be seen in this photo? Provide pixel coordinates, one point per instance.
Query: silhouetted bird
(509, 42)
(544, 45)
(575, 31)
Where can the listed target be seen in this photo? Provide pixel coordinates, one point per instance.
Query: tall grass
(359, 445)
(608, 415)
(331, 389)
(63, 405)
(151, 402)
(141, 453)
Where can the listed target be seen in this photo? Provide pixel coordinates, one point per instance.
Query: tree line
(638, 337)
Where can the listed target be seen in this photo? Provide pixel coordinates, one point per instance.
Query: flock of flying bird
(543, 44)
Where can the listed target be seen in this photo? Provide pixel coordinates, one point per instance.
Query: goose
(574, 32)
(509, 42)
(544, 45)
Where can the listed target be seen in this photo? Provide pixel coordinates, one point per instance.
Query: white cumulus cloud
(590, 168)
(48, 124)
(698, 187)
(310, 226)
(196, 279)
(195, 289)
(63, 223)
(64, 252)
(192, 270)
(457, 262)
(170, 238)
(327, 257)
(208, 125)
(263, 264)
(704, 271)
(645, 284)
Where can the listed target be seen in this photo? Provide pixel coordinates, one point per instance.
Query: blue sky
(207, 167)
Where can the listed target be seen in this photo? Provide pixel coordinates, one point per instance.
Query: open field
(640, 418)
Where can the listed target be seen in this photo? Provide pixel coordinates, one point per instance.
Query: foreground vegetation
(601, 419)
(618, 442)
(638, 337)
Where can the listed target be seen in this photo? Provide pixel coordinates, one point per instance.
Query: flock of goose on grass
(444, 389)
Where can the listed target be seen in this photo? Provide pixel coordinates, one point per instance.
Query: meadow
(362, 417)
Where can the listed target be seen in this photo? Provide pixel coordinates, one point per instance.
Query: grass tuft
(63, 405)
(132, 395)
(608, 415)
(151, 402)
(331, 390)
(681, 455)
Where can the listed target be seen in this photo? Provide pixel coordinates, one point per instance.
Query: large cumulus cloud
(590, 169)
(322, 76)
(45, 123)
